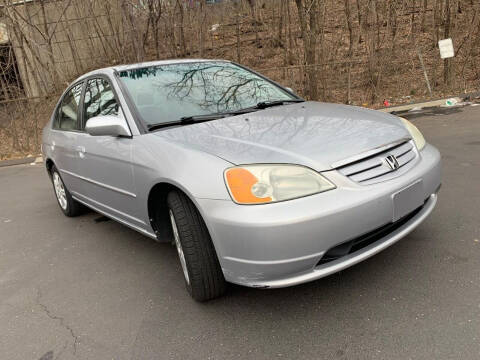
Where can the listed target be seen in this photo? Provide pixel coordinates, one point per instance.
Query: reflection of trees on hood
(213, 87)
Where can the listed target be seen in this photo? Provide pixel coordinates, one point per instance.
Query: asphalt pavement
(83, 288)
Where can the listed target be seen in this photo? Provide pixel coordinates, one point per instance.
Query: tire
(202, 272)
(67, 204)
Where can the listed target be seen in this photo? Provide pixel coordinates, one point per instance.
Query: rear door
(105, 164)
(64, 137)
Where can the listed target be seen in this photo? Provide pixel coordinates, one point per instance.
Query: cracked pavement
(85, 289)
(61, 321)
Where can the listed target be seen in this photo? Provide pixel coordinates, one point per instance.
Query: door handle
(81, 151)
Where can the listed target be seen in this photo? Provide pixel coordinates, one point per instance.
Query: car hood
(312, 134)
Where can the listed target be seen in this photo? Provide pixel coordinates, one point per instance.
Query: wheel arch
(158, 210)
(49, 164)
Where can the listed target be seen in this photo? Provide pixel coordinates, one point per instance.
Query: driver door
(105, 161)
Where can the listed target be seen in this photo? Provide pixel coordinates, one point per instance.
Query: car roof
(112, 69)
(163, 62)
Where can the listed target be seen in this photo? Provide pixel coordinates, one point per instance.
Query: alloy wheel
(60, 191)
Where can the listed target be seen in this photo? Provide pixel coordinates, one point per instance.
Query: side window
(67, 115)
(99, 99)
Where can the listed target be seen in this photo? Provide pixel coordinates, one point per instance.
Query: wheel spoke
(60, 191)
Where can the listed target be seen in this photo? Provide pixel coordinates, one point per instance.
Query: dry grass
(21, 124)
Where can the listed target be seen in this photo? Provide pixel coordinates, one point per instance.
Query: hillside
(350, 51)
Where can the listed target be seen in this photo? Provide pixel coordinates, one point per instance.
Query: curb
(32, 160)
(431, 104)
(422, 105)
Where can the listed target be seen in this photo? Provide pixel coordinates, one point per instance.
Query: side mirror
(290, 89)
(107, 125)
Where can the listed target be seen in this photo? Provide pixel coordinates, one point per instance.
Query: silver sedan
(252, 184)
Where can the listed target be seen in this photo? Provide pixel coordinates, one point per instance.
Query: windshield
(166, 93)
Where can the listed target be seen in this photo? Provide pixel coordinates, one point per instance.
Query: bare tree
(307, 13)
(367, 53)
(448, 68)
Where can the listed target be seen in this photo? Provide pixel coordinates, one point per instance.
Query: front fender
(196, 173)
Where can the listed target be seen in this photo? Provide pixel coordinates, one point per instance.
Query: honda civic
(252, 184)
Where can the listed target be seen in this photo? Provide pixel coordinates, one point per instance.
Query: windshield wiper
(267, 104)
(187, 120)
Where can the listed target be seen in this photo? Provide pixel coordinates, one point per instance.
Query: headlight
(416, 134)
(257, 184)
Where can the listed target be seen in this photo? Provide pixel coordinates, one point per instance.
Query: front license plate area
(407, 200)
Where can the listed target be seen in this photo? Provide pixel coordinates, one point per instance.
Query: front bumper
(281, 244)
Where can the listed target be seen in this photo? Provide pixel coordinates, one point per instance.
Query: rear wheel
(202, 272)
(67, 204)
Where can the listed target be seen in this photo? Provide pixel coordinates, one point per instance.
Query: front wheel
(202, 272)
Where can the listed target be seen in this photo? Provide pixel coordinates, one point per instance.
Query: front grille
(363, 241)
(375, 169)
